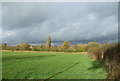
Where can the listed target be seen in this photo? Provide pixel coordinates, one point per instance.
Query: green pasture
(33, 65)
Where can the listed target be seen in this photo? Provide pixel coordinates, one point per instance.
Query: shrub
(114, 73)
(94, 50)
(34, 48)
(109, 54)
(69, 49)
(41, 47)
(4, 46)
(79, 48)
(112, 54)
(55, 48)
(1, 47)
(92, 44)
(13, 48)
(24, 46)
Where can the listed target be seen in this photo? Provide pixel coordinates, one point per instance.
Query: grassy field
(29, 65)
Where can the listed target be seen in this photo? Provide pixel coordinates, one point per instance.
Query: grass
(29, 65)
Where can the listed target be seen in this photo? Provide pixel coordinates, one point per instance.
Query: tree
(65, 45)
(48, 43)
(24, 46)
(4, 46)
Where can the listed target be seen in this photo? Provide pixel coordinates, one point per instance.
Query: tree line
(108, 54)
(65, 47)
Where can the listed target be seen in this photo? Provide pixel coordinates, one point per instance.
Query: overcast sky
(33, 22)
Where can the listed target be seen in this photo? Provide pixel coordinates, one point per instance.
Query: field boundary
(62, 71)
(44, 51)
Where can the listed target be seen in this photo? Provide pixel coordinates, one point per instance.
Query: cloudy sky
(34, 21)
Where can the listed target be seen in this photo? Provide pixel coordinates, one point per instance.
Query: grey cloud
(32, 22)
(17, 15)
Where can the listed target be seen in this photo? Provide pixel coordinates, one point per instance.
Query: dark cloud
(33, 22)
(21, 15)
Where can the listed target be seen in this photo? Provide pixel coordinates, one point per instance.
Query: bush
(94, 50)
(114, 73)
(69, 49)
(79, 48)
(92, 44)
(41, 47)
(108, 54)
(4, 46)
(94, 53)
(13, 48)
(1, 47)
(112, 54)
(34, 48)
(24, 46)
(55, 48)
